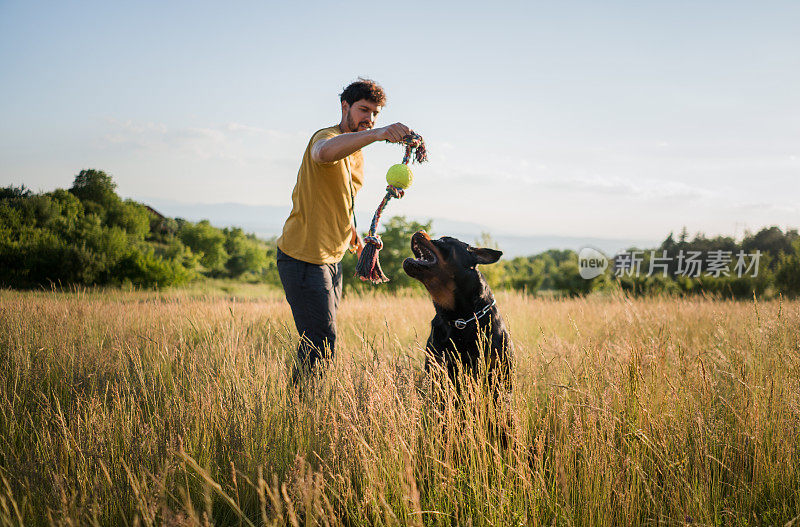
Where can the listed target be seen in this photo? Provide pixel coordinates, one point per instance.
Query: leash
(461, 323)
(368, 267)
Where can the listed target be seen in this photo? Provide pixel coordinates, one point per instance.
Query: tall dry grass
(173, 409)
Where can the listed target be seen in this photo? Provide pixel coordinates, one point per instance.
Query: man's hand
(394, 133)
(356, 241)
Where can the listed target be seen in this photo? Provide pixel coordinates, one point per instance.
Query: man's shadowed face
(360, 115)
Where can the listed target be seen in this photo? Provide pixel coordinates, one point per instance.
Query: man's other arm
(341, 146)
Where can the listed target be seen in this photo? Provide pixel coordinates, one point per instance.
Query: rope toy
(399, 177)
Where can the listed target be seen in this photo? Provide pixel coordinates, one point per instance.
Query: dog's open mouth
(424, 252)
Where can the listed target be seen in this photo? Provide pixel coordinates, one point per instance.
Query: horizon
(512, 244)
(615, 121)
(231, 214)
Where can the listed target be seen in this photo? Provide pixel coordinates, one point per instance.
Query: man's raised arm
(341, 146)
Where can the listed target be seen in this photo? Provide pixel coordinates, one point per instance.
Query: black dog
(467, 325)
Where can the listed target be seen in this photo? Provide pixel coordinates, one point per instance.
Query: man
(320, 227)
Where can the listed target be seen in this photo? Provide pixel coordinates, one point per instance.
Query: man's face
(360, 115)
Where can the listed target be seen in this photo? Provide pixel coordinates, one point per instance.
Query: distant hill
(266, 221)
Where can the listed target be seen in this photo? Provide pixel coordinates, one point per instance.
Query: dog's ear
(485, 256)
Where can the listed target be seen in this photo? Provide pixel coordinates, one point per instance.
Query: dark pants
(313, 292)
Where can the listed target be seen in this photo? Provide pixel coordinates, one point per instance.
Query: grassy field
(173, 409)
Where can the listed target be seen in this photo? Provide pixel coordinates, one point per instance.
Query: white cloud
(232, 142)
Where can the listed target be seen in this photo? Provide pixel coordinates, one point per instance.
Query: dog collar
(461, 323)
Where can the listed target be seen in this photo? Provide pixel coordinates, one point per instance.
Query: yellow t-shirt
(318, 228)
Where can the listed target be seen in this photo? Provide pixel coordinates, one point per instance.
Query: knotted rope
(368, 267)
(414, 146)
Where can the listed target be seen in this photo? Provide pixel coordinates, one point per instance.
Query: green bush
(145, 269)
(787, 276)
(520, 273)
(568, 279)
(245, 253)
(206, 241)
(131, 217)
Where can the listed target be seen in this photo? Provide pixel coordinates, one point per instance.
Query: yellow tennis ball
(400, 176)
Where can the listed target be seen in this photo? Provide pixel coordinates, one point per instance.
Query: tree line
(88, 235)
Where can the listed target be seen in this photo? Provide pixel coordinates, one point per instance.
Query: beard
(353, 127)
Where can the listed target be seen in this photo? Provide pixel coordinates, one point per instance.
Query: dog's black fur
(447, 269)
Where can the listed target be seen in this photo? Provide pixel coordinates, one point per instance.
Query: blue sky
(608, 119)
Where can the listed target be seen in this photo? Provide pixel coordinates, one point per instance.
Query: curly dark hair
(364, 89)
